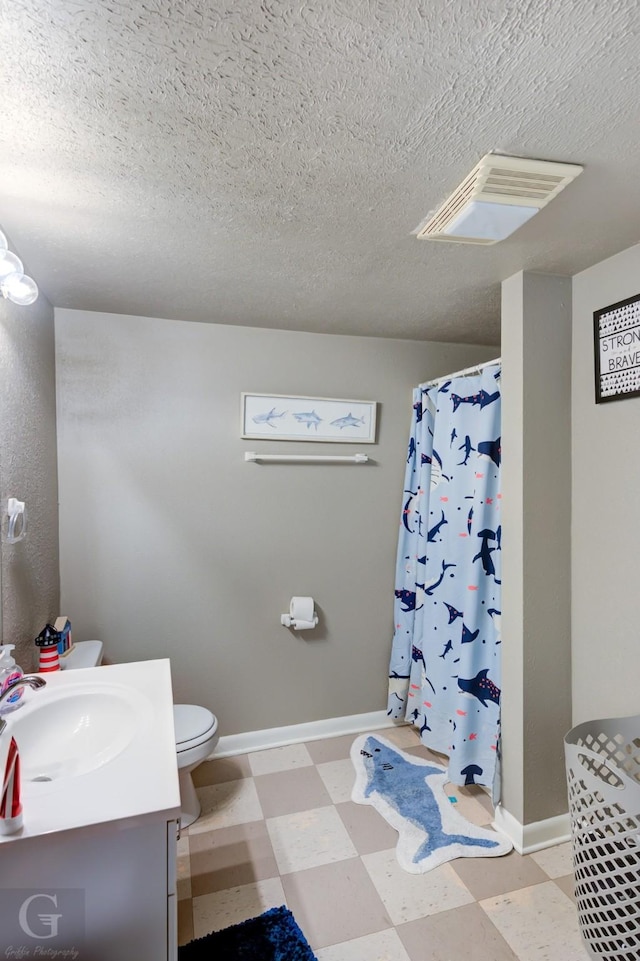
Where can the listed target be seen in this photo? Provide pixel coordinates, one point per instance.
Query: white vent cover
(499, 195)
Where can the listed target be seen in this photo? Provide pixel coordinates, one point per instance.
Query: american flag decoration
(47, 642)
(49, 659)
(10, 806)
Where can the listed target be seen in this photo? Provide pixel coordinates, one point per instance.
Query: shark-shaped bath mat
(409, 793)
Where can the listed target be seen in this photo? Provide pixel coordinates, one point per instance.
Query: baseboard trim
(527, 838)
(232, 744)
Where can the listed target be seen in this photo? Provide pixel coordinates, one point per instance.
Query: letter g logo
(48, 922)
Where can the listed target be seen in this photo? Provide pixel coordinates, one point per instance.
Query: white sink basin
(103, 740)
(66, 734)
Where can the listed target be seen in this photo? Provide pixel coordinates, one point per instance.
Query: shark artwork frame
(317, 419)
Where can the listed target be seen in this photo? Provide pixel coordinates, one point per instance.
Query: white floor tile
(309, 839)
(279, 759)
(556, 861)
(384, 946)
(212, 912)
(539, 923)
(339, 778)
(408, 897)
(226, 804)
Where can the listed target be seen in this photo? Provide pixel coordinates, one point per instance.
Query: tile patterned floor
(278, 827)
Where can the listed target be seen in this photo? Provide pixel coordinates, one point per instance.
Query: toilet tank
(82, 654)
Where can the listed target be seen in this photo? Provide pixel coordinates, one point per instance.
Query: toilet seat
(194, 725)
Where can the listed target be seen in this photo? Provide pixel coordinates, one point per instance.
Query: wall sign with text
(616, 331)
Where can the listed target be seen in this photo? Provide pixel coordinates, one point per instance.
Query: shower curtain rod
(462, 373)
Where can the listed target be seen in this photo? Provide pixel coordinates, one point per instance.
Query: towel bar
(255, 457)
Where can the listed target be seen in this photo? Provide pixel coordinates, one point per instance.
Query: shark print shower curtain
(444, 673)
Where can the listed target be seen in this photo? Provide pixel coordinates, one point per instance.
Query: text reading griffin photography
(42, 923)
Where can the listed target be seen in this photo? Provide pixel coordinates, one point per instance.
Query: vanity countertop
(133, 779)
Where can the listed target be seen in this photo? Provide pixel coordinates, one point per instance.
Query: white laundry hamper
(603, 781)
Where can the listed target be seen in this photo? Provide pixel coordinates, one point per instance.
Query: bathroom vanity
(101, 804)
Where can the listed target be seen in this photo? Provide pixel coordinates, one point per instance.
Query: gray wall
(30, 576)
(172, 545)
(536, 559)
(606, 520)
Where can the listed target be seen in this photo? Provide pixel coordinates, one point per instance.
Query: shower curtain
(444, 672)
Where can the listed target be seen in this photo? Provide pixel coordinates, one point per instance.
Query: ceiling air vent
(499, 195)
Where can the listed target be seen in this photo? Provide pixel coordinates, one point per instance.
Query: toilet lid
(193, 725)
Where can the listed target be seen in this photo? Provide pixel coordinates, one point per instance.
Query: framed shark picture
(283, 417)
(616, 331)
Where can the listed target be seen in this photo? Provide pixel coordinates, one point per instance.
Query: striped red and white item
(49, 659)
(10, 806)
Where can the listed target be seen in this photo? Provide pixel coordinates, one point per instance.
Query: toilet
(196, 731)
(196, 737)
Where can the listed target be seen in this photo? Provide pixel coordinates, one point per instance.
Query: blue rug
(409, 792)
(273, 936)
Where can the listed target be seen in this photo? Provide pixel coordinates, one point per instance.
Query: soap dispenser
(9, 671)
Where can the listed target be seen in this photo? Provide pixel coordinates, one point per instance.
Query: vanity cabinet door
(172, 890)
(111, 883)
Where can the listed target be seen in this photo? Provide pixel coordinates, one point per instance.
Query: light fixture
(499, 196)
(14, 283)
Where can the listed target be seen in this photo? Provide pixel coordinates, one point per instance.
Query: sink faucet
(32, 680)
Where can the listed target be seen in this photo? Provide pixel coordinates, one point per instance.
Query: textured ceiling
(266, 163)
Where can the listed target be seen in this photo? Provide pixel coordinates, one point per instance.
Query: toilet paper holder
(302, 615)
